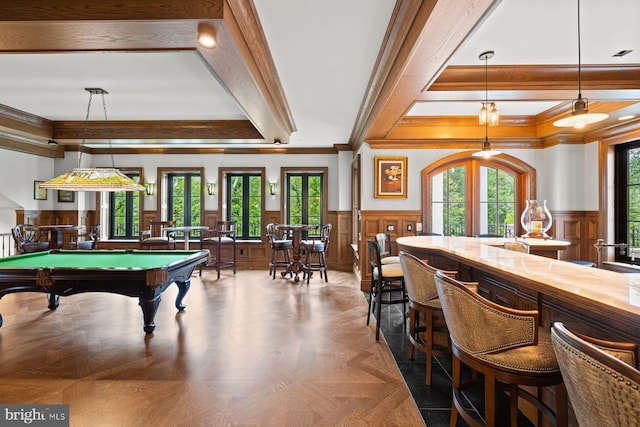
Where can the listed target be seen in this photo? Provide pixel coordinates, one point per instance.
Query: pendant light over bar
(486, 151)
(580, 115)
(93, 179)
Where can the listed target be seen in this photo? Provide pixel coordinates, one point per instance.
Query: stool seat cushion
(223, 240)
(389, 270)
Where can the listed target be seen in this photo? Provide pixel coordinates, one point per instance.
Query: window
(124, 212)
(184, 198)
(465, 196)
(244, 199)
(627, 193)
(497, 201)
(305, 196)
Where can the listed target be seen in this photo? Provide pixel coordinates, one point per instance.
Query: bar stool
(156, 237)
(602, 378)
(385, 280)
(223, 235)
(419, 278)
(278, 244)
(505, 345)
(317, 248)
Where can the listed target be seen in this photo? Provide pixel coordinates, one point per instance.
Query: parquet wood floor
(248, 351)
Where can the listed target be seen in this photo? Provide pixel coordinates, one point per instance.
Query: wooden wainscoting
(395, 223)
(582, 229)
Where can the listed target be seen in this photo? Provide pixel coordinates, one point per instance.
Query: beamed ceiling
(420, 70)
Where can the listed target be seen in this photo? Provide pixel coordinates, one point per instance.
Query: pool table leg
(54, 301)
(149, 307)
(183, 288)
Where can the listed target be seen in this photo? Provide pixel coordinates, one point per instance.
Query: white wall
(566, 176)
(339, 171)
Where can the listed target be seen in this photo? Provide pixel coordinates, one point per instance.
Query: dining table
(54, 232)
(296, 231)
(187, 230)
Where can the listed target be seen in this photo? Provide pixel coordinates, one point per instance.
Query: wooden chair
(279, 244)
(386, 279)
(318, 248)
(77, 239)
(156, 238)
(419, 278)
(384, 246)
(223, 235)
(602, 378)
(28, 241)
(505, 345)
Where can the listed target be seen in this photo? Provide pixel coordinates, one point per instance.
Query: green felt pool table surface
(96, 259)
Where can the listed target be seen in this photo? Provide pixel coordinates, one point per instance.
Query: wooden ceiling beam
(241, 61)
(538, 78)
(437, 30)
(155, 129)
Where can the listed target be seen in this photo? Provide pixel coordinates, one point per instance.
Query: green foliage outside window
(304, 193)
(124, 213)
(245, 202)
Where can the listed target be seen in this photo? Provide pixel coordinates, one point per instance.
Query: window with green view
(627, 193)
(244, 203)
(183, 198)
(124, 212)
(304, 198)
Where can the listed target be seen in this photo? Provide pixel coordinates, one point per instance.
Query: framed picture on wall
(66, 196)
(38, 192)
(390, 177)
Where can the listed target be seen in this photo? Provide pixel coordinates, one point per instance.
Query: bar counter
(597, 302)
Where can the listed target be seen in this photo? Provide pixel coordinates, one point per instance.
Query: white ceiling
(324, 60)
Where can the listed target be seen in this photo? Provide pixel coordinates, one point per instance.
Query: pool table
(134, 273)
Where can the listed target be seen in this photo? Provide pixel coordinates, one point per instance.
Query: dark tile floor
(433, 401)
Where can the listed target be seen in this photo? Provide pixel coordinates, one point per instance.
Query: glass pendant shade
(494, 115)
(536, 220)
(482, 116)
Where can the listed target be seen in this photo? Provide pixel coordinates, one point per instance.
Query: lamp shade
(93, 179)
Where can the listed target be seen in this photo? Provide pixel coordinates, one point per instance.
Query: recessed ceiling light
(630, 116)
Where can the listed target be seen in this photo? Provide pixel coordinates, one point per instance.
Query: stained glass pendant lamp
(93, 179)
(580, 115)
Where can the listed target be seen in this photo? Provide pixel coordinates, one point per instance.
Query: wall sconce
(272, 188)
(211, 188)
(150, 188)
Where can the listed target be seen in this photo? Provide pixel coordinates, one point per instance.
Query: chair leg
(218, 255)
(378, 308)
(490, 399)
(456, 382)
(371, 296)
(429, 344)
(413, 330)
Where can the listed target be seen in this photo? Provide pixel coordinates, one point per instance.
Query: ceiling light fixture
(489, 112)
(486, 151)
(206, 36)
(93, 179)
(580, 116)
